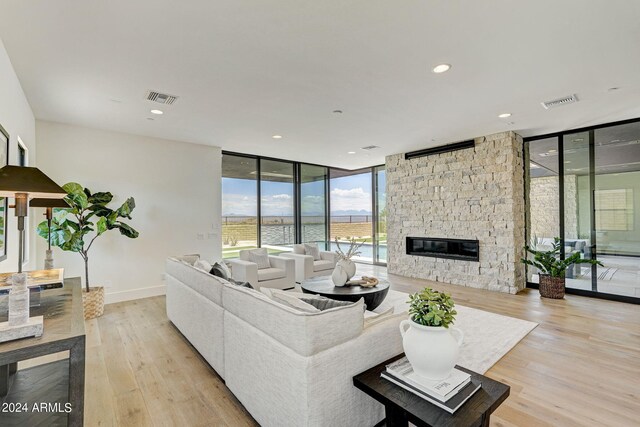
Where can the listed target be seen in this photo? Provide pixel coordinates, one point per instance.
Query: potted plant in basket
(552, 268)
(429, 343)
(345, 257)
(77, 227)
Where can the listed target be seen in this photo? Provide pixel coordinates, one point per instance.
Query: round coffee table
(323, 286)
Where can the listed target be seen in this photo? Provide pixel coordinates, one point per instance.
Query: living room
(400, 146)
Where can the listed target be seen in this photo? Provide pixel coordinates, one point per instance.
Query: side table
(52, 393)
(402, 406)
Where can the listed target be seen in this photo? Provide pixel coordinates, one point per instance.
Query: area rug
(487, 336)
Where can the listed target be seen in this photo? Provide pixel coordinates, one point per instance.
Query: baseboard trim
(113, 297)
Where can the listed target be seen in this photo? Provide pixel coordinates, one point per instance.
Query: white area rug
(487, 336)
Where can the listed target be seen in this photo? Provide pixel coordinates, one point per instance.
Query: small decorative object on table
(339, 276)
(365, 282)
(428, 343)
(345, 257)
(552, 268)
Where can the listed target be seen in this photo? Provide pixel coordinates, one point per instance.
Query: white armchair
(280, 274)
(306, 267)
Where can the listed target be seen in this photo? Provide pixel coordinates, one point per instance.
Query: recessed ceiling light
(277, 137)
(351, 152)
(504, 115)
(158, 112)
(441, 68)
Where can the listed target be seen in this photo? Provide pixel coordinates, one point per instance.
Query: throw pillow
(220, 270)
(202, 265)
(312, 249)
(298, 249)
(323, 303)
(239, 283)
(291, 301)
(260, 257)
(371, 318)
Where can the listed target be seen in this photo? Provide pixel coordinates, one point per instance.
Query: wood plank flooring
(580, 366)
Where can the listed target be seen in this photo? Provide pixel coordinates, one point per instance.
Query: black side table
(402, 406)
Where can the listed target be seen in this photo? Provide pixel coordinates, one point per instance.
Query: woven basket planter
(93, 302)
(551, 287)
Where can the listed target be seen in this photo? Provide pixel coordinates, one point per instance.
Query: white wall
(17, 119)
(176, 186)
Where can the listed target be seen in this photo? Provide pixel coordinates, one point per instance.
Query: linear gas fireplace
(467, 250)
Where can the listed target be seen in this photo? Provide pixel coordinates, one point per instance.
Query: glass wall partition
(595, 179)
(277, 214)
(380, 208)
(352, 211)
(239, 204)
(313, 204)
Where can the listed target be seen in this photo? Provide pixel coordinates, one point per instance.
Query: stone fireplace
(469, 195)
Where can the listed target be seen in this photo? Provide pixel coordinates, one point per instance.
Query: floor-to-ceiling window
(593, 176)
(275, 203)
(352, 210)
(380, 207)
(277, 212)
(313, 204)
(239, 204)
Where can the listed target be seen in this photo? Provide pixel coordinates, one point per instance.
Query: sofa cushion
(323, 265)
(298, 249)
(200, 281)
(270, 274)
(260, 257)
(304, 333)
(313, 250)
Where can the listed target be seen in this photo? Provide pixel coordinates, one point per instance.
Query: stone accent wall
(544, 210)
(468, 194)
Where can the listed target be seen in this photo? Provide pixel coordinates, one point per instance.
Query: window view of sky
(350, 195)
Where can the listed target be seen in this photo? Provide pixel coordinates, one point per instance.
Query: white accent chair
(307, 267)
(280, 274)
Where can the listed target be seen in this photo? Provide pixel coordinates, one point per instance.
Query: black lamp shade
(22, 179)
(48, 203)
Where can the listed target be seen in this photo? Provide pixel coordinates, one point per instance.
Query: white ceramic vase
(349, 267)
(432, 350)
(339, 276)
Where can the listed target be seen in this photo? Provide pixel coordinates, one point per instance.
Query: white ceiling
(246, 69)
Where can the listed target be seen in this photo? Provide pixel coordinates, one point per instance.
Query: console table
(52, 393)
(402, 406)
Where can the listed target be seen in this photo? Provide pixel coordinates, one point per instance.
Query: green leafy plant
(549, 262)
(432, 308)
(88, 217)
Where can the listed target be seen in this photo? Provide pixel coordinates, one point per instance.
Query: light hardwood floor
(580, 366)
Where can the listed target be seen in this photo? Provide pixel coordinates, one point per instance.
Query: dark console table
(402, 406)
(373, 296)
(53, 393)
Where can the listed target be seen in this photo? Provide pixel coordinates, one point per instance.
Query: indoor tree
(88, 217)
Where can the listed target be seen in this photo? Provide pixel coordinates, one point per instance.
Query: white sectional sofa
(287, 367)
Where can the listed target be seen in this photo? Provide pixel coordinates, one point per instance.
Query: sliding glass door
(380, 210)
(594, 175)
(313, 204)
(277, 219)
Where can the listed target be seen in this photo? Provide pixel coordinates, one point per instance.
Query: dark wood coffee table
(373, 296)
(402, 406)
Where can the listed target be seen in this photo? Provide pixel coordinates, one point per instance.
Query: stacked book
(448, 394)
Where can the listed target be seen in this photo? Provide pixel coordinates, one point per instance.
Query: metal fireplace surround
(466, 250)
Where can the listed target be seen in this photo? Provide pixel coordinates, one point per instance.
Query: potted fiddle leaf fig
(552, 269)
(76, 228)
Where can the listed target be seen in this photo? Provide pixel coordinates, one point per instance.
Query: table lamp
(23, 183)
(49, 204)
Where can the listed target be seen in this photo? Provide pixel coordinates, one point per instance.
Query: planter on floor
(93, 302)
(551, 287)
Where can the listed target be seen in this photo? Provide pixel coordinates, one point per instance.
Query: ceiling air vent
(370, 147)
(560, 101)
(161, 98)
